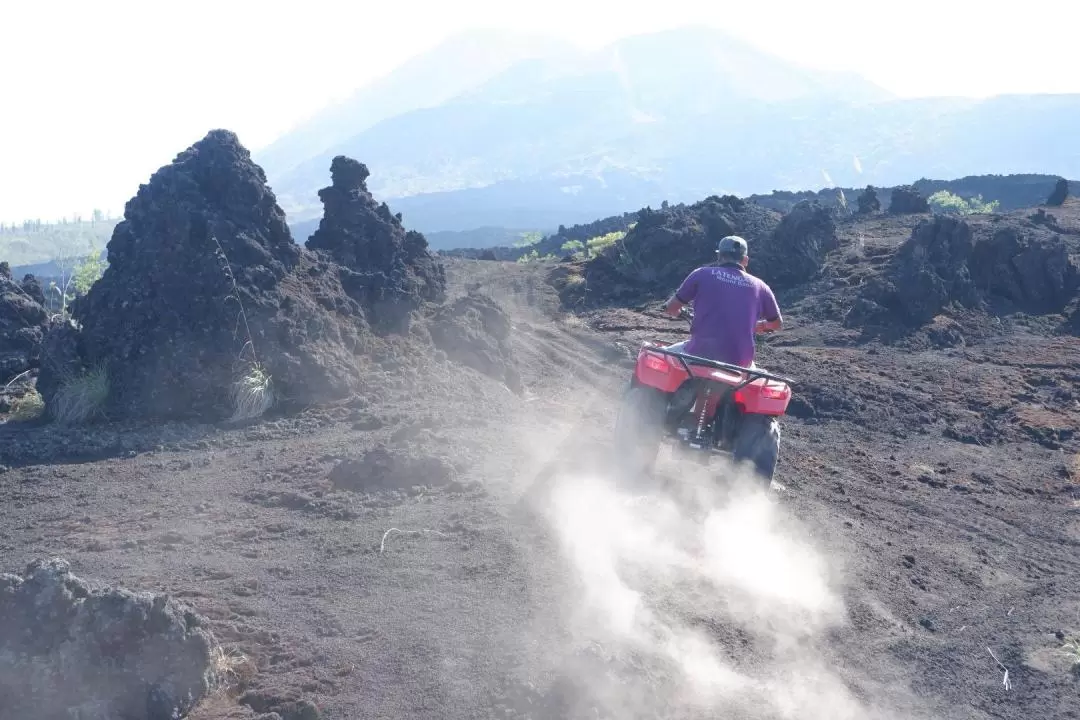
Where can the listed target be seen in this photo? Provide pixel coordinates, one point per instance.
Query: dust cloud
(705, 601)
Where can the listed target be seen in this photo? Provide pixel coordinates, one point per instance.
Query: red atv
(706, 406)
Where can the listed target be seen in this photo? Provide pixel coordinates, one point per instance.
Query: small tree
(1061, 191)
(88, 272)
(76, 277)
(62, 290)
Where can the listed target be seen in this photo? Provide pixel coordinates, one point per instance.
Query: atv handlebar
(685, 313)
(688, 360)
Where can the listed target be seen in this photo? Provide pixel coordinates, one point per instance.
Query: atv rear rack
(688, 360)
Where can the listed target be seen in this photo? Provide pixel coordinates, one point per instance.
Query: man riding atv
(730, 306)
(707, 393)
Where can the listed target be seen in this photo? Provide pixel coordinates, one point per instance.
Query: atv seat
(680, 347)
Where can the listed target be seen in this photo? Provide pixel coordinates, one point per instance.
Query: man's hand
(767, 326)
(674, 307)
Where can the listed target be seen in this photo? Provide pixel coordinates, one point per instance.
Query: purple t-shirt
(728, 302)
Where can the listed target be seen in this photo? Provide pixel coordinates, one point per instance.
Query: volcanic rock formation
(23, 320)
(205, 286)
(930, 269)
(1033, 270)
(70, 651)
(1061, 191)
(474, 331)
(996, 264)
(62, 358)
(868, 201)
(385, 268)
(796, 251)
(907, 199)
(32, 287)
(666, 244)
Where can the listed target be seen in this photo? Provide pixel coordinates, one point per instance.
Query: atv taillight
(772, 393)
(658, 363)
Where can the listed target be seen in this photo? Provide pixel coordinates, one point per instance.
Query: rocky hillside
(1021, 262)
(1009, 192)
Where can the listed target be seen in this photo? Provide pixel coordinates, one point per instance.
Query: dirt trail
(871, 587)
(406, 602)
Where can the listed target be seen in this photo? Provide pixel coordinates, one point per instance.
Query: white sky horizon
(97, 96)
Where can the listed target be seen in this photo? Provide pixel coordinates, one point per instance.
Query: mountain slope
(894, 143)
(456, 65)
(675, 116)
(561, 113)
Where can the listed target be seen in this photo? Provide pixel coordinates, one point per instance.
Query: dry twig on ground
(1005, 680)
(425, 531)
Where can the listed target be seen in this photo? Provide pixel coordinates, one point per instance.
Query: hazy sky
(97, 95)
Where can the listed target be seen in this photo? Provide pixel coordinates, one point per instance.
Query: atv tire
(757, 441)
(639, 430)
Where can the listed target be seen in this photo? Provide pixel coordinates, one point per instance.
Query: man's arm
(674, 305)
(769, 311)
(683, 296)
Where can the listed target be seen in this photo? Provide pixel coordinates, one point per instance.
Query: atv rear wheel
(639, 429)
(757, 441)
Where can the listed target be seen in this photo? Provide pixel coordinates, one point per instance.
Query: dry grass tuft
(81, 398)
(252, 394)
(232, 670)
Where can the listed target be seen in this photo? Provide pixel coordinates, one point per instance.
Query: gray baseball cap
(732, 245)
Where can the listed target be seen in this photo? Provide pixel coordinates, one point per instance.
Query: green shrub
(529, 238)
(600, 243)
(944, 201)
(28, 407)
(534, 256)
